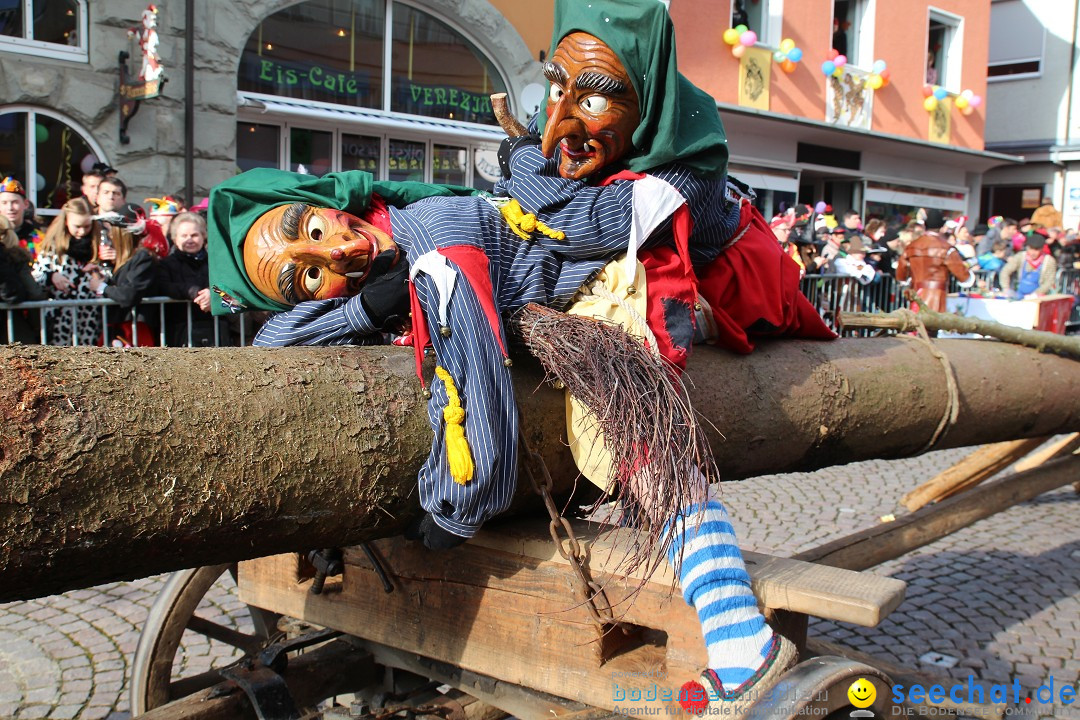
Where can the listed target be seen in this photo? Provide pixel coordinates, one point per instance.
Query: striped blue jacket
(597, 222)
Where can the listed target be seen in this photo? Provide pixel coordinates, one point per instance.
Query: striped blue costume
(597, 223)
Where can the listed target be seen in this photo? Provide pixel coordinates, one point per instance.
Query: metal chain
(568, 546)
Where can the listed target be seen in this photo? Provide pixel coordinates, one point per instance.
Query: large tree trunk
(117, 464)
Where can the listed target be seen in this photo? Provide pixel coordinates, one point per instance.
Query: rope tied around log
(910, 320)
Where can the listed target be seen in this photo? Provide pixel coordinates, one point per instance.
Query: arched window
(47, 152)
(47, 28)
(376, 54)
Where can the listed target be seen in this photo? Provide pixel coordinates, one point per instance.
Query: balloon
(833, 54)
(748, 38)
(741, 29)
(874, 82)
(42, 133)
(968, 94)
(838, 73)
(39, 179)
(87, 163)
(968, 110)
(975, 101)
(941, 93)
(779, 57)
(738, 51)
(794, 55)
(927, 90)
(787, 66)
(930, 104)
(731, 36)
(828, 67)
(787, 45)
(840, 60)
(820, 207)
(961, 102)
(879, 66)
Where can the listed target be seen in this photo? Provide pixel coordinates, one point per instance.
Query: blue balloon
(879, 67)
(794, 55)
(941, 93)
(828, 67)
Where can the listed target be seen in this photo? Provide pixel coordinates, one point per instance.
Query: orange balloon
(787, 66)
(738, 51)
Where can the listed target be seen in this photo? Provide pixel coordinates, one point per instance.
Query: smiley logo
(862, 693)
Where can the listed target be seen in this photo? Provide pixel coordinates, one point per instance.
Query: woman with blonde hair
(125, 275)
(66, 260)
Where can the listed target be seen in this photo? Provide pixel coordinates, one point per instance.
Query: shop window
(319, 50)
(944, 50)
(335, 51)
(1017, 41)
(853, 31)
(360, 152)
(48, 154)
(437, 72)
(257, 145)
(48, 28)
(486, 171)
(310, 151)
(406, 160)
(448, 164)
(764, 17)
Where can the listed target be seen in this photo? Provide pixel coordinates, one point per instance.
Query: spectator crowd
(101, 245)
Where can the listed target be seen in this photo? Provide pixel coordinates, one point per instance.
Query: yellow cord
(458, 454)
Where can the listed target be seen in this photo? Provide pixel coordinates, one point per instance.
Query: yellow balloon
(787, 45)
(961, 102)
(838, 72)
(930, 104)
(731, 36)
(875, 82)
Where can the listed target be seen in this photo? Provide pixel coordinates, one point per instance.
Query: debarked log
(117, 464)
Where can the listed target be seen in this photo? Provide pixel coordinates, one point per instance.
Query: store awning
(250, 106)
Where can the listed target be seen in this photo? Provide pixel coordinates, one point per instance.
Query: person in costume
(622, 166)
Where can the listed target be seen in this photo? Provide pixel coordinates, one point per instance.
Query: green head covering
(679, 121)
(238, 202)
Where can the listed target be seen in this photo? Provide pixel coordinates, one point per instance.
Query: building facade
(1033, 88)
(400, 88)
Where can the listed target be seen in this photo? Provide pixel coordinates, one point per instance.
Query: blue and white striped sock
(714, 580)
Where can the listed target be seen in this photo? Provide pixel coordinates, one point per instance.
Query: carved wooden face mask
(592, 109)
(298, 252)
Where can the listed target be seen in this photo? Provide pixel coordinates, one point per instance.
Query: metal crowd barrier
(72, 306)
(835, 294)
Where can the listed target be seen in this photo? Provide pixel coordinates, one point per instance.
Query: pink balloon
(738, 50)
(975, 101)
(840, 60)
(87, 163)
(748, 38)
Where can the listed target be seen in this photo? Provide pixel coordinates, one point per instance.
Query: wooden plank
(980, 465)
(503, 605)
(779, 583)
(873, 546)
(1066, 445)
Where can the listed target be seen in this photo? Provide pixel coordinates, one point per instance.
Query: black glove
(433, 536)
(509, 145)
(385, 296)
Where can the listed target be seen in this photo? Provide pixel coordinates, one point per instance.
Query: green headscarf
(679, 121)
(238, 202)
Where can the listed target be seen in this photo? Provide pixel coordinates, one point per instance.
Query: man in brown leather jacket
(928, 261)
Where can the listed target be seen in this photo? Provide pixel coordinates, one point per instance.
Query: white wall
(1027, 108)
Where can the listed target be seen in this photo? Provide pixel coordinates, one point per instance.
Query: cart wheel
(152, 683)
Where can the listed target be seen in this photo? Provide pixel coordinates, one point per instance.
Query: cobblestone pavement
(1002, 597)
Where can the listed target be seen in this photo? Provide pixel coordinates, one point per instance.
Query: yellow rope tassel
(458, 454)
(525, 224)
